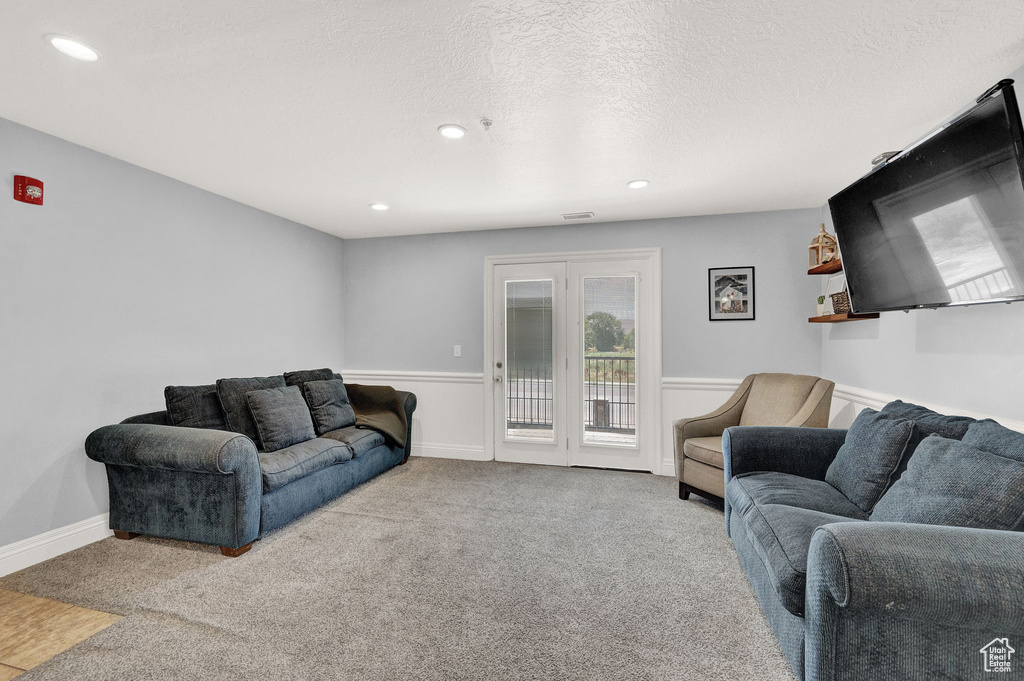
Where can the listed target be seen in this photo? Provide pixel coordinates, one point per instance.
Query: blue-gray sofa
(892, 550)
(189, 473)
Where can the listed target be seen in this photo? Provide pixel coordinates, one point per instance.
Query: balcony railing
(610, 395)
(610, 387)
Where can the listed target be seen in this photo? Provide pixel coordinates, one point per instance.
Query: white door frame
(650, 396)
(551, 451)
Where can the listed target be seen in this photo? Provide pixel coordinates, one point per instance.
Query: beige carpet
(435, 570)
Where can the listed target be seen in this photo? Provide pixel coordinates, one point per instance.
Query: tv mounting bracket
(994, 89)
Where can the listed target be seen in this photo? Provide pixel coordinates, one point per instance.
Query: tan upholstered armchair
(761, 400)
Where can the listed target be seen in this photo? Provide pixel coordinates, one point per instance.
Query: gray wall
(410, 299)
(123, 282)
(967, 358)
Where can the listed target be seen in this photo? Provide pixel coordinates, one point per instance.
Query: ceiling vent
(576, 216)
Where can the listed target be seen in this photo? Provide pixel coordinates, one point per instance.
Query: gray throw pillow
(281, 417)
(951, 483)
(231, 393)
(928, 423)
(194, 406)
(329, 405)
(306, 375)
(990, 436)
(869, 459)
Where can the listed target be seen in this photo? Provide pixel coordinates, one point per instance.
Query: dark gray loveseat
(215, 486)
(900, 557)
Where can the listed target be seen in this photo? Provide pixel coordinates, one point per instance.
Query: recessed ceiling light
(637, 184)
(452, 131)
(379, 206)
(73, 48)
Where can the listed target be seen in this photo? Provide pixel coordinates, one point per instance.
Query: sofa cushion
(306, 375)
(281, 416)
(751, 489)
(299, 460)
(949, 482)
(781, 535)
(194, 406)
(989, 436)
(871, 457)
(328, 404)
(359, 440)
(231, 393)
(928, 421)
(705, 449)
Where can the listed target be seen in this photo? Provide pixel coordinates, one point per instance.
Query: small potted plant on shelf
(821, 305)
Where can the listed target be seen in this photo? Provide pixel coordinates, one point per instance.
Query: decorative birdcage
(823, 249)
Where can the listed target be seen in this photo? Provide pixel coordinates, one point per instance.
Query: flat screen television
(941, 222)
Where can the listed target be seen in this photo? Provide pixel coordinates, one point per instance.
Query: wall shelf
(830, 267)
(842, 317)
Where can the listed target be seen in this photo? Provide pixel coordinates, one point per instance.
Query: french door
(574, 363)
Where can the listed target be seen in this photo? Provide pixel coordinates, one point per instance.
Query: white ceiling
(313, 109)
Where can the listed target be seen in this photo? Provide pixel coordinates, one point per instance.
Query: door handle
(497, 379)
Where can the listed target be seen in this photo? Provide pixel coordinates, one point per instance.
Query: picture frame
(730, 294)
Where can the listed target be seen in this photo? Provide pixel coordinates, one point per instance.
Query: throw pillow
(870, 457)
(231, 393)
(281, 417)
(194, 406)
(928, 423)
(300, 377)
(990, 436)
(951, 483)
(329, 405)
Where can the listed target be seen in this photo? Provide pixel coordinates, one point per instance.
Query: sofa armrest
(927, 597)
(191, 484)
(196, 450)
(807, 452)
(409, 404)
(156, 418)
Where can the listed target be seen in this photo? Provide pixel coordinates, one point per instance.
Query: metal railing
(528, 397)
(610, 387)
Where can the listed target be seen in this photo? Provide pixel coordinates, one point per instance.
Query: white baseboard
(28, 552)
(436, 451)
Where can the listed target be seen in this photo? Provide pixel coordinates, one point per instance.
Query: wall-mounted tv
(942, 222)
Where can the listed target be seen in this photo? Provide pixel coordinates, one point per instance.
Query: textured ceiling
(313, 109)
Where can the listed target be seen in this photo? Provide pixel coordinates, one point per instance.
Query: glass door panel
(529, 360)
(609, 360)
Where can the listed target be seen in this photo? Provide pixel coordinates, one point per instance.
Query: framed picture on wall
(731, 293)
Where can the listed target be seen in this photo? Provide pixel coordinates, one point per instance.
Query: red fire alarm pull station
(28, 189)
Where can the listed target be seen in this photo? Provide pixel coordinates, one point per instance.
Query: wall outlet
(457, 351)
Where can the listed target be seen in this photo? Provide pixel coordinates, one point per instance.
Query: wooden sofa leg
(684, 491)
(121, 534)
(235, 553)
